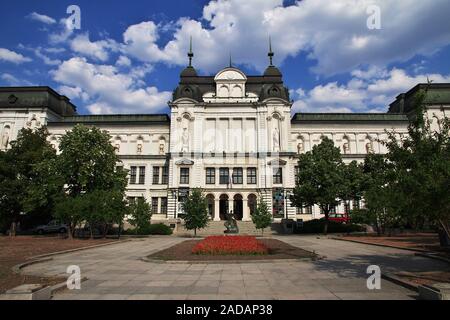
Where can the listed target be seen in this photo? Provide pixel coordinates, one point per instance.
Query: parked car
(339, 217)
(53, 226)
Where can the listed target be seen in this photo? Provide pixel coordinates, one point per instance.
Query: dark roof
(344, 117)
(437, 94)
(41, 97)
(194, 86)
(115, 119)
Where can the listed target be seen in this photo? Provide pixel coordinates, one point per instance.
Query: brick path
(115, 272)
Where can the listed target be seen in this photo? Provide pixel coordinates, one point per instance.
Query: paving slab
(116, 272)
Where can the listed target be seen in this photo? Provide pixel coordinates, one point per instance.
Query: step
(218, 228)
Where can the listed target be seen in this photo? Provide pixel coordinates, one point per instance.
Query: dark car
(53, 226)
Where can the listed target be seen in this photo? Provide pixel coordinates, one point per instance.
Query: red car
(339, 217)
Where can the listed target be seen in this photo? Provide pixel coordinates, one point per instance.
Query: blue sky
(127, 56)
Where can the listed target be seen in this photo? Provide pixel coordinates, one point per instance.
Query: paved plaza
(116, 272)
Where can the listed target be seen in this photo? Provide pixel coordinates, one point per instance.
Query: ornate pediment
(277, 162)
(184, 162)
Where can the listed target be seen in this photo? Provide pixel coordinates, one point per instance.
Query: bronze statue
(231, 223)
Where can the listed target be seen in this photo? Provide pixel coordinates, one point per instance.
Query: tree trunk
(12, 230)
(69, 231)
(91, 231)
(325, 226)
(105, 230)
(195, 233)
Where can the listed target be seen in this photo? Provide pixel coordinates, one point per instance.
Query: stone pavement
(115, 272)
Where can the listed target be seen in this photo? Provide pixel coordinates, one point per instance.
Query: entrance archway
(210, 202)
(238, 207)
(223, 206)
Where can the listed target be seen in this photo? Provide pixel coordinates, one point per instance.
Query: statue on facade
(346, 148)
(161, 147)
(139, 148)
(231, 223)
(185, 140)
(369, 147)
(117, 147)
(5, 139)
(300, 147)
(276, 140)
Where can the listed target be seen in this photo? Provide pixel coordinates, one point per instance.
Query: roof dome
(272, 71)
(188, 72)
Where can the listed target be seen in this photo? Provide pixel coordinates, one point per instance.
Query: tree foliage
(140, 214)
(88, 167)
(27, 185)
(196, 211)
(262, 217)
(320, 180)
(421, 168)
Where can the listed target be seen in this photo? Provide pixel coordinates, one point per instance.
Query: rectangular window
(141, 175)
(277, 175)
(224, 176)
(237, 176)
(164, 205)
(210, 175)
(155, 175)
(165, 175)
(356, 204)
(133, 170)
(347, 207)
(184, 175)
(251, 175)
(154, 205)
(304, 210)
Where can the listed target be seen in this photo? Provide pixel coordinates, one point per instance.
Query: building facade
(231, 134)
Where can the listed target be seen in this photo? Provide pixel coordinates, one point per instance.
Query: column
(216, 209)
(246, 210)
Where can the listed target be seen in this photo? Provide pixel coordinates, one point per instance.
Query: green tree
(353, 182)
(421, 168)
(196, 211)
(88, 161)
(320, 180)
(262, 218)
(88, 167)
(141, 213)
(376, 193)
(27, 189)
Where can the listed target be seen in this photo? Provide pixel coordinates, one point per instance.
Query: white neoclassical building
(231, 134)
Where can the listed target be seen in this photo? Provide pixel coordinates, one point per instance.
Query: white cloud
(361, 93)
(11, 56)
(123, 61)
(108, 90)
(97, 49)
(41, 18)
(14, 81)
(342, 44)
(62, 35)
(47, 60)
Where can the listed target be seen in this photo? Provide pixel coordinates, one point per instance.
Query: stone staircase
(217, 228)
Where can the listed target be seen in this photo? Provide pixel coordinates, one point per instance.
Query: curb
(18, 267)
(417, 252)
(432, 256)
(380, 245)
(78, 249)
(397, 280)
(145, 259)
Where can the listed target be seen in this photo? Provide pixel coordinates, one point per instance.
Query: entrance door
(238, 207)
(223, 206)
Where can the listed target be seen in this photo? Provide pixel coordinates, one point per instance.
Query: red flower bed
(221, 245)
